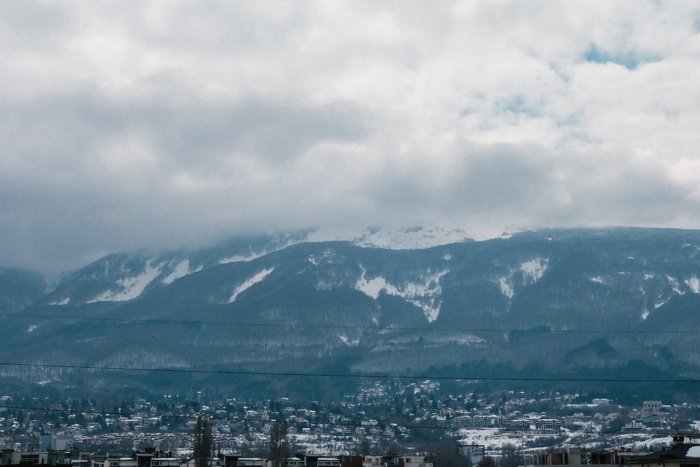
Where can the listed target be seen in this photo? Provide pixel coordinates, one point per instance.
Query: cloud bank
(130, 125)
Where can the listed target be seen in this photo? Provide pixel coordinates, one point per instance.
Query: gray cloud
(130, 125)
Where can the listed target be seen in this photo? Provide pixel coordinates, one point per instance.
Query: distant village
(384, 424)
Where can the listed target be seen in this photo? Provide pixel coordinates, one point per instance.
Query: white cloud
(131, 125)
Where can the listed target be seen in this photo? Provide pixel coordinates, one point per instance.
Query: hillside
(555, 304)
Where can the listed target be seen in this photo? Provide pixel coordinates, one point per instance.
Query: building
(396, 461)
(55, 442)
(148, 458)
(474, 451)
(683, 453)
(652, 405)
(575, 457)
(54, 458)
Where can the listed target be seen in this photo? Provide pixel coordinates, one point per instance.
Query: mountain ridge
(559, 302)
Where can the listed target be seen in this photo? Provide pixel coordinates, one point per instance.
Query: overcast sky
(128, 125)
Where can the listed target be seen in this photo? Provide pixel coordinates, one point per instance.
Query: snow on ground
(653, 443)
(425, 294)
(321, 444)
(130, 287)
(249, 283)
(492, 439)
(181, 270)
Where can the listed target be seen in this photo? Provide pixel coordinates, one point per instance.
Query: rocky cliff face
(571, 304)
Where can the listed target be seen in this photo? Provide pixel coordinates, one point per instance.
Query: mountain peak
(414, 238)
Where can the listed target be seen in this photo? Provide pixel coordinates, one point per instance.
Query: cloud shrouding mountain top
(130, 125)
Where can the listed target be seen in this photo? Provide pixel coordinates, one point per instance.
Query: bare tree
(279, 447)
(364, 448)
(202, 441)
(510, 457)
(487, 461)
(445, 454)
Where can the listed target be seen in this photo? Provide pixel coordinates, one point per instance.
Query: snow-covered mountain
(122, 277)
(394, 239)
(554, 303)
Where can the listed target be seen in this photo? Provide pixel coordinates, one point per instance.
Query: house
(652, 406)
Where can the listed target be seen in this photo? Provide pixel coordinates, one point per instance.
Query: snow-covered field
(495, 439)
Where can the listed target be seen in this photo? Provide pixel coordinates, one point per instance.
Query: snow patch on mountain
(694, 284)
(674, 283)
(181, 270)
(130, 287)
(65, 301)
(249, 283)
(241, 258)
(32, 328)
(372, 287)
(328, 256)
(597, 280)
(533, 270)
(426, 294)
(394, 239)
(530, 271)
(275, 245)
(506, 287)
(349, 342)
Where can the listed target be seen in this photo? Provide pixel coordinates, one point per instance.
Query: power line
(337, 326)
(356, 375)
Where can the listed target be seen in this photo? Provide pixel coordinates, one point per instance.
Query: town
(417, 420)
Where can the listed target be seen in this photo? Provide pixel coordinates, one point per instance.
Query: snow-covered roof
(677, 451)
